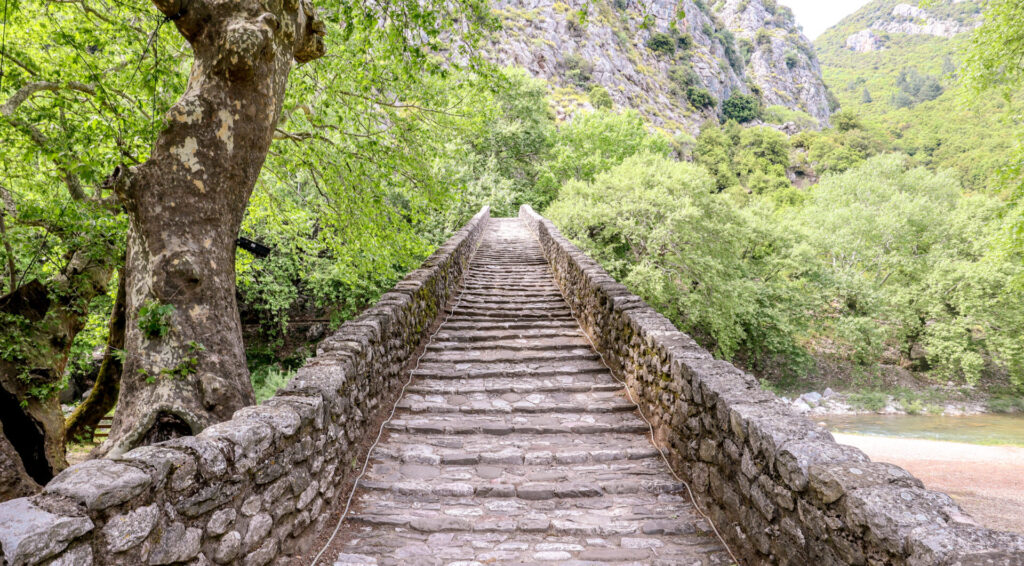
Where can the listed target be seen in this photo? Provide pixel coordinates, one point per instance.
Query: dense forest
(880, 250)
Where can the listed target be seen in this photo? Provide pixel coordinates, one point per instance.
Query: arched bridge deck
(514, 444)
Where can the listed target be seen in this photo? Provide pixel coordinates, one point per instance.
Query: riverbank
(987, 481)
(903, 401)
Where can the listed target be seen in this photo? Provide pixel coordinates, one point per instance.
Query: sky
(817, 15)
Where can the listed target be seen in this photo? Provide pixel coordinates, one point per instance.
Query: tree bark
(103, 396)
(185, 365)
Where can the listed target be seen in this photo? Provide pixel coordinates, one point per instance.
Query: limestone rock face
(864, 41)
(722, 48)
(944, 18)
(916, 21)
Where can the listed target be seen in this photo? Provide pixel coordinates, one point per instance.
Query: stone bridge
(550, 417)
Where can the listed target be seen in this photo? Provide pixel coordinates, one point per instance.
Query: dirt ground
(987, 481)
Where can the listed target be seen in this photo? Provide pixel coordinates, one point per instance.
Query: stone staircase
(515, 445)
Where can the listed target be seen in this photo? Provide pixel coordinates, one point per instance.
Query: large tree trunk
(103, 396)
(185, 365)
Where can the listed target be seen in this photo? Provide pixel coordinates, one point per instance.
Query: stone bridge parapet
(256, 489)
(778, 487)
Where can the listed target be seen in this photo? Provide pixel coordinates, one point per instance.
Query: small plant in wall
(155, 319)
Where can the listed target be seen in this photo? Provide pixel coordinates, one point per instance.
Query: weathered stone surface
(99, 484)
(125, 531)
(79, 554)
(229, 546)
(220, 522)
(175, 543)
(29, 534)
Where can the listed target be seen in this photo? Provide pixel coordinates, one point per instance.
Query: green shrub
(601, 98)
(792, 60)
(266, 380)
(155, 319)
(868, 400)
(684, 42)
(683, 76)
(700, 98)
(763, 37)
(742, 108)
(1006, 403)
(661, 43)
(777, 114)
(844, 121)
(578, 70)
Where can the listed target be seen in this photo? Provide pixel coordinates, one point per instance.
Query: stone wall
(255, 489)
(779, 488)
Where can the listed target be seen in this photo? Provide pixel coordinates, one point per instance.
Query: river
(973, 429)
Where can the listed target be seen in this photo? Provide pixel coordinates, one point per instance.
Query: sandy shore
(987, 481)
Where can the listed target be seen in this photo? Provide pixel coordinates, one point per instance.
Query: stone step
(521, 344)
(518, 385)
(516, 448)
(476, 355)
(493, 295)
(389, 545)
(524, 423)
(502, 336)
(606, 515)
(513, 305)
(505, 324)
(530, 482)
(464, 314)
(450, 370)
(485, 403)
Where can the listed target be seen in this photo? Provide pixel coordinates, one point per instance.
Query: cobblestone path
(514, 445)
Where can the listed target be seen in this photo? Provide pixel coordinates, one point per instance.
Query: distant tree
(700, 98)
(742, 108)
(844, 121)
(600, 97)
(915, 88)
(578, 70)
(684, 42)
(792, 60)
(661, 43)
(865, 96)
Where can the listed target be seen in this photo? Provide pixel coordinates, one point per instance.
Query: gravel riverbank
(987, 481)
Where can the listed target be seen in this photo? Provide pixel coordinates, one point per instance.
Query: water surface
(973, 429)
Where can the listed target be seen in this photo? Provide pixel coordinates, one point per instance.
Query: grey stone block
(126, 531)
(29, 534)
(99, 484)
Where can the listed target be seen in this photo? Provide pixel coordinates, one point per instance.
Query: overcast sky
(817, 15)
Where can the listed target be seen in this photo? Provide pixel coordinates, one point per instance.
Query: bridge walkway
(515, 445)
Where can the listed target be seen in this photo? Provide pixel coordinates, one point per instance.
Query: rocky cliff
(871, 27)
(662, 57)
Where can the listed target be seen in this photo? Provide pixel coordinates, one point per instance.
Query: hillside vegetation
(909, 92)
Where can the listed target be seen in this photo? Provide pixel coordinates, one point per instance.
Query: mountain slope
(905, 83)
(656, 56)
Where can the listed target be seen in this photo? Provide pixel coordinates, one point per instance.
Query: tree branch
(28, 69)
(29, 89)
